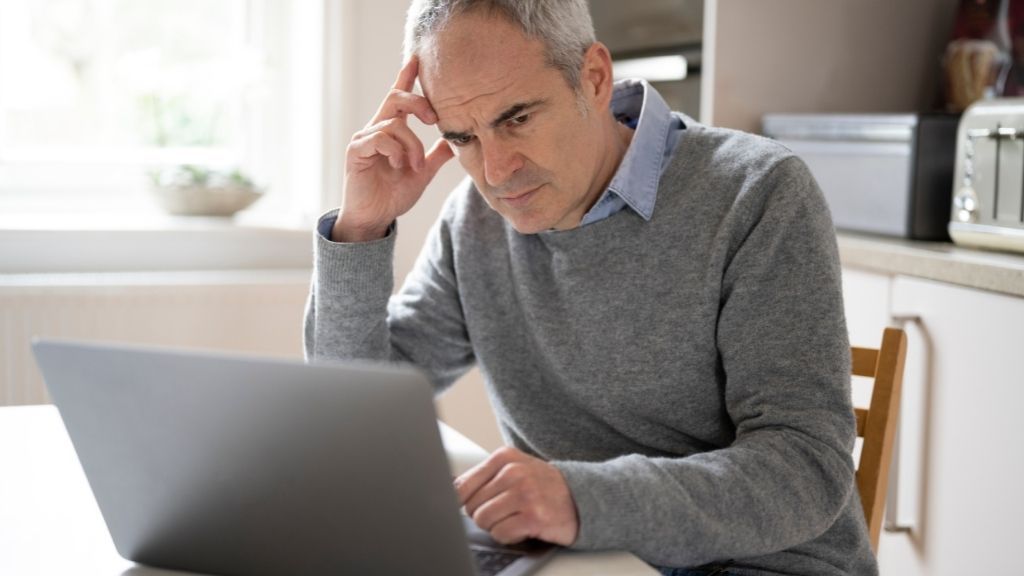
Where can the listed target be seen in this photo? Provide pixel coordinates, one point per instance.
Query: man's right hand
(386, 170)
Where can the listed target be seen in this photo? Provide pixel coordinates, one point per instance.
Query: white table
(50, 524)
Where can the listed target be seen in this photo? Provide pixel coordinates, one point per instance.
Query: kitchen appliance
(988, 197)
(880, 173)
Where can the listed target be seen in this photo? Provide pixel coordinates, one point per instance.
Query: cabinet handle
(906, 472)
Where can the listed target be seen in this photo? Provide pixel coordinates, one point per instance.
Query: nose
(501, 160)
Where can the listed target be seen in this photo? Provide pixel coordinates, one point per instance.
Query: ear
(596, 77)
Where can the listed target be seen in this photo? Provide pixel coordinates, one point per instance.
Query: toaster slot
(1009, 188)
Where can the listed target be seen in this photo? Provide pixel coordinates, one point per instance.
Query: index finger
(407, 75)
(477, 477)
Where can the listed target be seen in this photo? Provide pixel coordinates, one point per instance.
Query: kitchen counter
(942, 261)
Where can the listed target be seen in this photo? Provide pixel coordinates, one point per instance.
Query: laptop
(237, 465)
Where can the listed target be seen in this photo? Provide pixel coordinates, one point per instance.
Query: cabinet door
(970, 496)
(866, 302)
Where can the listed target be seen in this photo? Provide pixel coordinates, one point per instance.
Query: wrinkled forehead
(477, 59)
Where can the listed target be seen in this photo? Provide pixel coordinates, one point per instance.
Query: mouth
(520, 199)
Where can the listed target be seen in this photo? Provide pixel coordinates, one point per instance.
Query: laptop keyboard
(490, 562)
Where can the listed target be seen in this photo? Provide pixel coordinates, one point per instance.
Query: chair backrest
(877, 424)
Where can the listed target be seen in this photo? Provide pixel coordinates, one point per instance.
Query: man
(655, 305)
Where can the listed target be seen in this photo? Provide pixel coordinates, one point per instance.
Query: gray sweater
(689, 375)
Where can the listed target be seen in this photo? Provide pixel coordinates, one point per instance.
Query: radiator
(244, 311)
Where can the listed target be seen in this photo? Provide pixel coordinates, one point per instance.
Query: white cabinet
(957, 478)
(866, 296)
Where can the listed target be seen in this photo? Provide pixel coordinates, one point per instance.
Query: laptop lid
(236, 465)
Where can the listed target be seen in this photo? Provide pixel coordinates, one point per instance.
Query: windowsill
(148, 220)
(59, 243)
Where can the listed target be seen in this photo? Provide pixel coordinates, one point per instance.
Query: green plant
(189, 175)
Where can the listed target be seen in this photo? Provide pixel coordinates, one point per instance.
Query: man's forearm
(346, 317)
(352, 315)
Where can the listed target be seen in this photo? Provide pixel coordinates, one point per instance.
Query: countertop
(1001, 272)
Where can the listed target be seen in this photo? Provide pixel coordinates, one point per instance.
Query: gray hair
(564, 26)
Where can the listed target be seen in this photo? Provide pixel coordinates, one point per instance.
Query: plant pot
(205, 201)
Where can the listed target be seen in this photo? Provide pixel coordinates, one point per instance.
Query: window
(97, 95)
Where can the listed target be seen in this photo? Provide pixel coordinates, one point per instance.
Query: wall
(820, 56)
(244, 311)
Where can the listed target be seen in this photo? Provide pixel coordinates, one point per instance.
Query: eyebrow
(509, 113)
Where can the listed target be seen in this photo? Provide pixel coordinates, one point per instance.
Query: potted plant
(198, 191)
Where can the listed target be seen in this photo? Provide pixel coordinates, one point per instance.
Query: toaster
(988, 184)
(885, 174)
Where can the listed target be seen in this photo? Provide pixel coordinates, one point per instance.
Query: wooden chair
(877, 424)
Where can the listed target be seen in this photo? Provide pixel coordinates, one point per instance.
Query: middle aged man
(655, 304)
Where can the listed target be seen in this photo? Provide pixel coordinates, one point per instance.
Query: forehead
(480, 63)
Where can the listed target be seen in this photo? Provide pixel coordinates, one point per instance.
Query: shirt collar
(636, 104)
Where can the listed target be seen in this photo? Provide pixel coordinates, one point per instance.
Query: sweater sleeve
(351, 315)
(783, 349)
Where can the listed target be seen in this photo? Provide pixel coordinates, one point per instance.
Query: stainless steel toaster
(988, 182)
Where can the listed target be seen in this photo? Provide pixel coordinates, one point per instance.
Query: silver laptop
(243, 466)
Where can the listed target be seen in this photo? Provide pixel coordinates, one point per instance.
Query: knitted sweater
(688, 375)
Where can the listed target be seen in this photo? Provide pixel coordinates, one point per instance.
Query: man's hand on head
(515, 496)
(386, 168)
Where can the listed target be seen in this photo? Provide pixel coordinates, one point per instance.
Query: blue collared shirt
(657, 132)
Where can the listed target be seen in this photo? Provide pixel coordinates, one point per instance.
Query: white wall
(371, 33)
(248, 311)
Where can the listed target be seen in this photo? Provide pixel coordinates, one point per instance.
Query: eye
(519, 120)
(462, 140)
